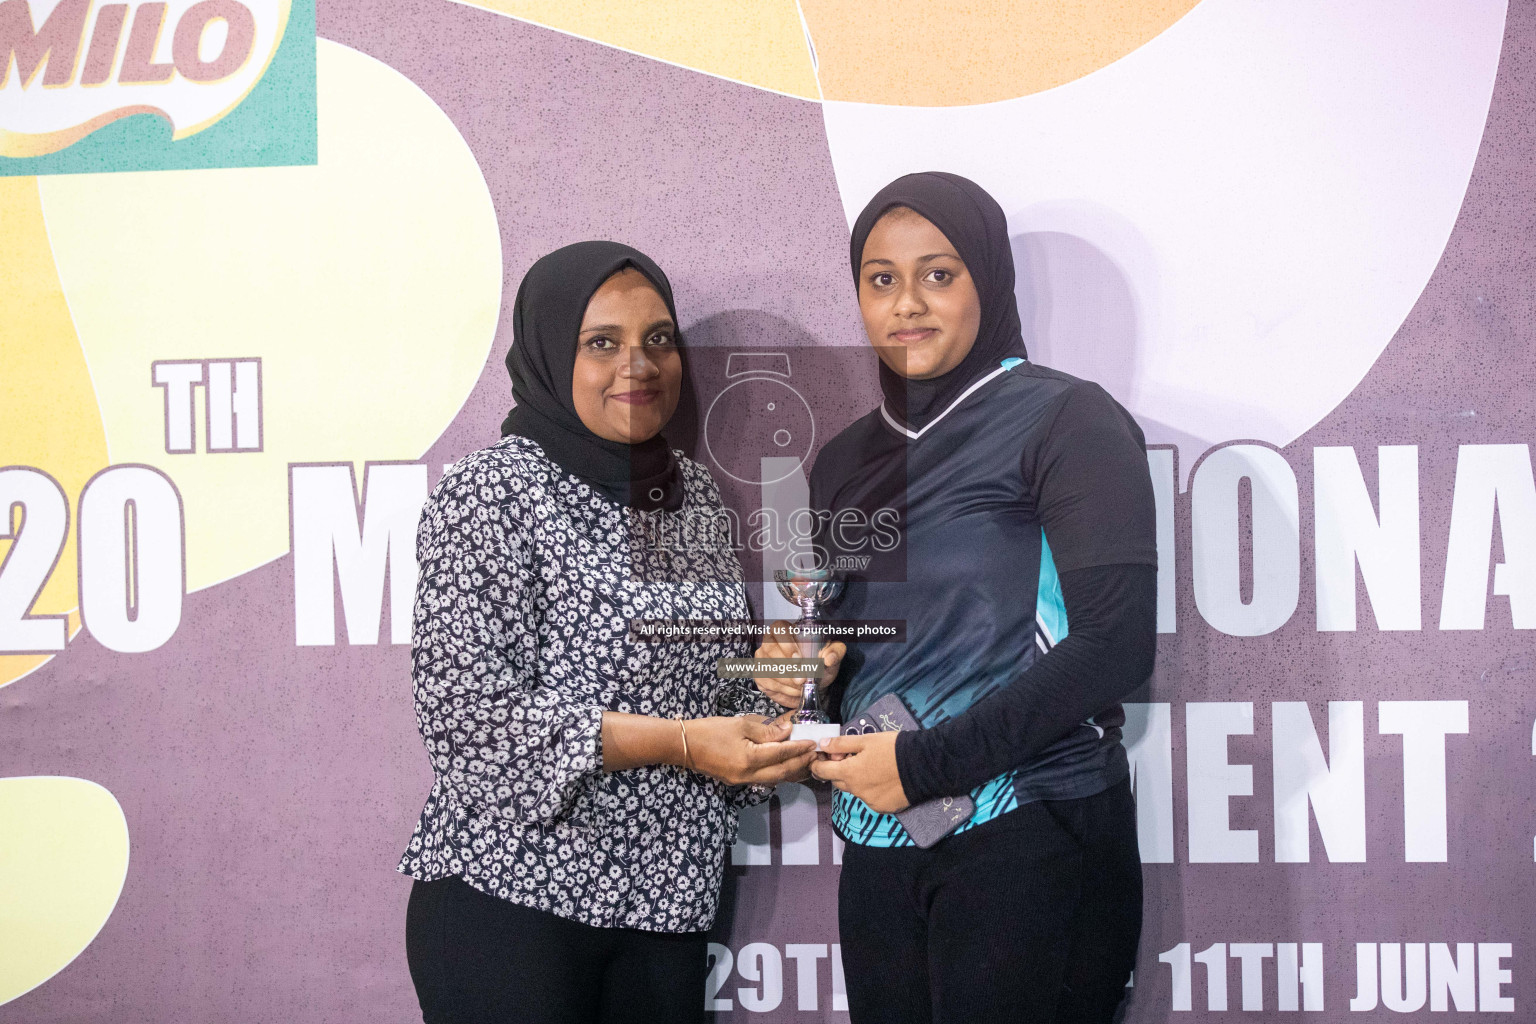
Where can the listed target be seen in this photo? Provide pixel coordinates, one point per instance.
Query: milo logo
(72, 68)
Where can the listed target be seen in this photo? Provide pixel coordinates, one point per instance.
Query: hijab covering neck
(546, 323)
(975, 225)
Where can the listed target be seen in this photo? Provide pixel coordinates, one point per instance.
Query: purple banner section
(269, 788)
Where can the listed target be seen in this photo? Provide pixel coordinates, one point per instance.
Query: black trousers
(1032, 917)
(477, 959)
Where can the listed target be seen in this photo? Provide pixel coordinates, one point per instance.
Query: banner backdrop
(256, 268)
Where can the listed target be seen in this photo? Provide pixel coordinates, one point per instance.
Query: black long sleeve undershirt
(1107, 653)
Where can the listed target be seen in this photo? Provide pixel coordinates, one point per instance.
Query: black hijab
(546, 321)
(974, 224)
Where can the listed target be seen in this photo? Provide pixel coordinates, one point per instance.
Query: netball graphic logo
(74, 67)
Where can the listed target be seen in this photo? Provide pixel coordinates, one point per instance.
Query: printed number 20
(131, 551)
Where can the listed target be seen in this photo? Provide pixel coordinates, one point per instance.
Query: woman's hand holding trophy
(809, 590)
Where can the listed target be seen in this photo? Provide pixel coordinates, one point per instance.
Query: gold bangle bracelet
(682, 727)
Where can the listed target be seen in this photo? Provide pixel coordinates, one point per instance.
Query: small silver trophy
(808, 590)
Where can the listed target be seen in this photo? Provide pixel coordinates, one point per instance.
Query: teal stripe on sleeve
(1050, 608)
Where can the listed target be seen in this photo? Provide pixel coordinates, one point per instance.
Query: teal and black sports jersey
(1027, 472)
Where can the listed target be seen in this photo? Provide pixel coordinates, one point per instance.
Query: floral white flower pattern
(521, 640)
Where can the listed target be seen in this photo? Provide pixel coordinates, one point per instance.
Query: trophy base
(818, 731)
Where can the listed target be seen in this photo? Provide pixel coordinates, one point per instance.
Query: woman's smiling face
(919, 303)
(628, 371)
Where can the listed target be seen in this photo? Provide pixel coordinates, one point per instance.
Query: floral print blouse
(529, 580)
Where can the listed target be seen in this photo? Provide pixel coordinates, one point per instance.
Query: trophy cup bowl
(809, 590)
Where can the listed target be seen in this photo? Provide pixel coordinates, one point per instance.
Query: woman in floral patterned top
(569, 857)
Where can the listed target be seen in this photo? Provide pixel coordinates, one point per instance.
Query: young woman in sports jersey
(1027, 581)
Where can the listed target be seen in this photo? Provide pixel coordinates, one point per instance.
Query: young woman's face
(920, 306)
(628, 370)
